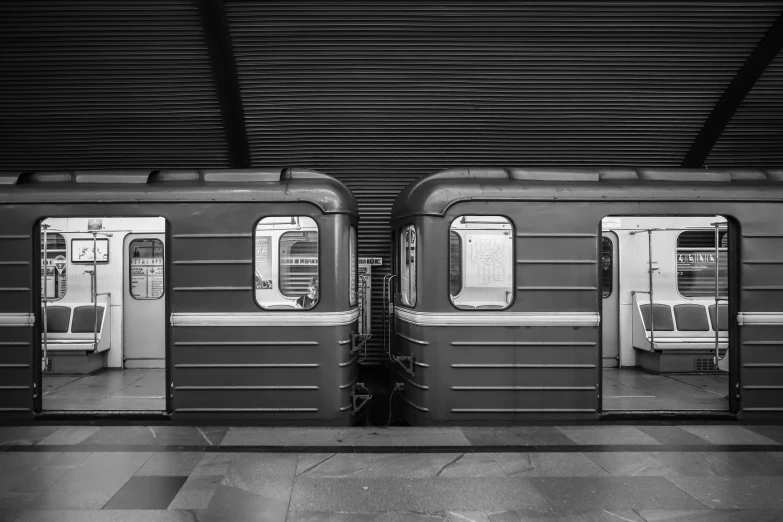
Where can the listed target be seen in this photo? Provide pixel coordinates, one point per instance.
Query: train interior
(103, 314)
(673, 355)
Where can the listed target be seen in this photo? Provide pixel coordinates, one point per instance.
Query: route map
(489, 262)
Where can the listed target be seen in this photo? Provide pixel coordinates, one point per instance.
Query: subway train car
(190, 293)
(522, 294)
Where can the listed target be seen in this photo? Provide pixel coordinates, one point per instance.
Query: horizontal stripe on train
(497, 319)
(303, 318)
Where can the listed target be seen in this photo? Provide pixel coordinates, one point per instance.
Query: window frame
(461, 284)
(513, 289)
(130, 266)
(401, 264)
(720, 249)
(253, 257)
(611, 267)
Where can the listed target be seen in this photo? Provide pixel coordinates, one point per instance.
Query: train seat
(683, 334)
(71, 328)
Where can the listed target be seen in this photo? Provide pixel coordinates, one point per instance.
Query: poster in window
(147, 277)
(263, 275)
(489, 260)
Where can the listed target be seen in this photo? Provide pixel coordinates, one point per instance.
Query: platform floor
(717, 472)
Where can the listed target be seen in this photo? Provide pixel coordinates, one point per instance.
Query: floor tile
(631, 464)
(728, 435)
(610, 493)
(92, 483)
(357, 436)
(146, 493)
(607, 435)
(696, 464)
(548, 465)
(202, 483)
(68, 435)
(566, 516)
(238, 505)
(733, 492)
(141, 515)
(267, 475)
(171, 464)
(417, 495)
(25, 435)
(671, 435)
(472, 465)
(712, 515)
(516, 436)
(390, 516)
(158, 435)
(771, 432)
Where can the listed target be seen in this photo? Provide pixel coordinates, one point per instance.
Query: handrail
(718, 358)
(45, 346)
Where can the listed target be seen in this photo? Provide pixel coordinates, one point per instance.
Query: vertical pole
(717, 292)
(94, 295)
(45, 297)
(652, 306)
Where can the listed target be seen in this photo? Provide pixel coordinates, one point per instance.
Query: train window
(286, 263)
(54, 280)
(696, 263)
(408, 257)
(146, 268)
(455, 263)
(481, 262)
(607, 267)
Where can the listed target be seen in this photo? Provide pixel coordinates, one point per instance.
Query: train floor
(106, 390)
(619, 472)
(629, 389)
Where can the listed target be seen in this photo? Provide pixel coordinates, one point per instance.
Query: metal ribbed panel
(754, 136)
(424, 86)
(106, 84)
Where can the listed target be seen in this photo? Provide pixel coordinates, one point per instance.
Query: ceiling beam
(740, 86)
(224, 72)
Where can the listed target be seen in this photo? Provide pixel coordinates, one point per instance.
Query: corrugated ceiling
(106, 84)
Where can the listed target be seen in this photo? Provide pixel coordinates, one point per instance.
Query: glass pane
(607, 267)
(54, 274)
(146, 268)
(486, 262)
(408, 266)
(286, 262)
(352, 265)
(696, 263)
(455, 264)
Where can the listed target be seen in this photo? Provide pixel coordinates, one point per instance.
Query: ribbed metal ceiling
(421, 86)
(106, 84)
(754, 136)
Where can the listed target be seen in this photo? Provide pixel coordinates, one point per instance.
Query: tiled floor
(635, 390)
(541, 473)
(113, 390)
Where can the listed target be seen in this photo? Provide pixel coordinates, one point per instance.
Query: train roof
(179, 185)
(434, 194)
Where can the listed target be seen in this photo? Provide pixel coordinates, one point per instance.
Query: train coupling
(360, 397)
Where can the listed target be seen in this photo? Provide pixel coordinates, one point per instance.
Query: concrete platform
(543, 473)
